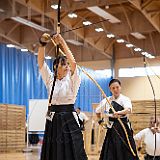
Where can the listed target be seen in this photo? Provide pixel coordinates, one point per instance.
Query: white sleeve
(85, 117)
(101, 106)
(46, 73)
(76, 80)
(140, 135)
(127, 103)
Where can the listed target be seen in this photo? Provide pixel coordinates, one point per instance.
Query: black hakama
(63, 139)
(148, 157)
(115, 146)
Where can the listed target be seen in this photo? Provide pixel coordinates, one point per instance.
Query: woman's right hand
(44, 39)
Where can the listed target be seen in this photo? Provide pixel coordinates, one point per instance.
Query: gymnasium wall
(96, 65)
(138, 88)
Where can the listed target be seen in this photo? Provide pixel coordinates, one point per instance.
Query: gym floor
(34, 155)
(30, 156)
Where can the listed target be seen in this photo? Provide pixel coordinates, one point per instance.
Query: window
(139, 71)
(104, 72)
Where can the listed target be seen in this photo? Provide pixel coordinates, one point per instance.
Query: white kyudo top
(149, 139)
(82, 116)
(65, 90)
(121, 100)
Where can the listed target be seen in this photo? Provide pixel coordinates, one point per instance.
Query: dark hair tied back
(59, 59)
(113, 81)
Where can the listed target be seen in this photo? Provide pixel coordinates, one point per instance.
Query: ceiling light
(48, 57)
(106, 7)
(24, 50)
(151, 57)
(30, 24)
(144, 53)
(87, 23)
(110, 35)
(10, 45)
(137, 49)
(120, 40)
(54, 6)
(1, 10)
(129, 45)
(148, 55)
(138, 35)
(102, 13)
(72, 15)
(99, 29)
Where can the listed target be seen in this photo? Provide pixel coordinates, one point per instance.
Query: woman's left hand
(116, 115)
(58, 39)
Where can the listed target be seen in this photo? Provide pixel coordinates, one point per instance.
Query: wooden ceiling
(142, 16)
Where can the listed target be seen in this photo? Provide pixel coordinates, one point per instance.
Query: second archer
(116, 146)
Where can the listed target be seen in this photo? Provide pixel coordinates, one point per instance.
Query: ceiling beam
(154, 21)
(152, 43)
(90, 3)
(149, 45)
(107, 48)
(12, 29)
(37, 6)
(129, 24)
(103, 45)
(124, 28)
(146, 3)
(9, 38)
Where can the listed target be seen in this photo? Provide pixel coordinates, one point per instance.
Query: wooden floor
(28, 156)
(34, 155)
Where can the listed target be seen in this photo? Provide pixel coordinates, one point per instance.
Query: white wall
(138, 88)
(134, 62)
